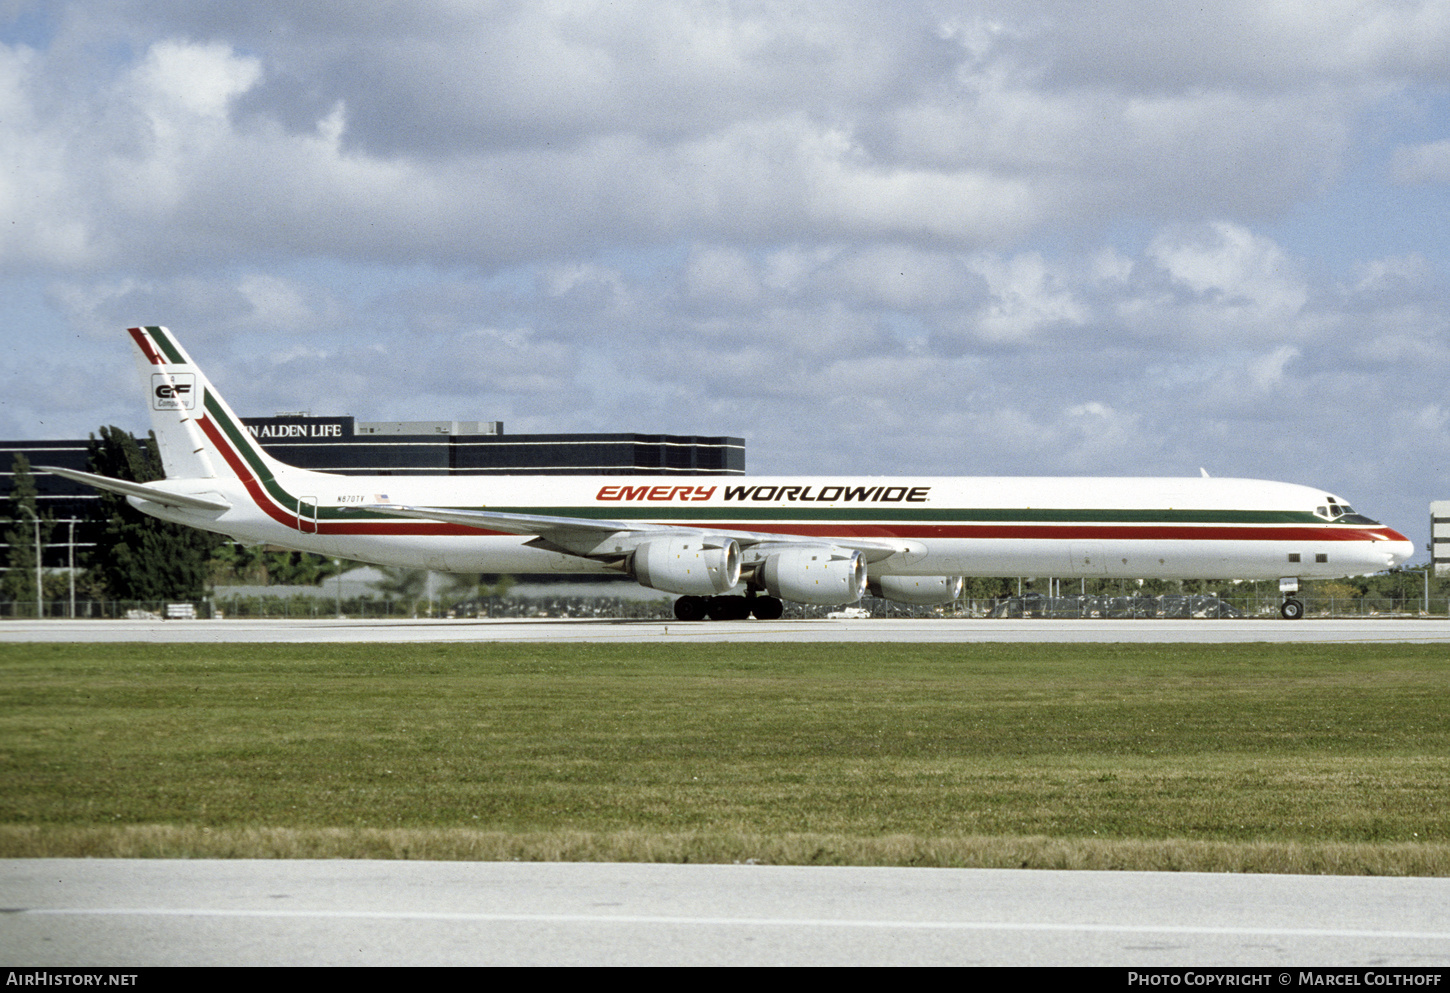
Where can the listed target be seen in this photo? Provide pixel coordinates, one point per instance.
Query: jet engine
(921, 590)
(688, 564)
(820, 574)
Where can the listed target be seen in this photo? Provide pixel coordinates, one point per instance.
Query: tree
(476, 586)
(406, 585)
(987, 588)
(140, 557)
(234, 563)
(264, 565)
(19, 582)
(290, 568)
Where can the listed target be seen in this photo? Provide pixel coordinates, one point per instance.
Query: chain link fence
(1198, 606)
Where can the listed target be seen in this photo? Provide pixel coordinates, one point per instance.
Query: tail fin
(197, 432)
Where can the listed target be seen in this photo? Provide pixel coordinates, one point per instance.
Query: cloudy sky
(952, 238)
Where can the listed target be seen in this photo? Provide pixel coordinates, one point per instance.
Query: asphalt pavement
(119, 912)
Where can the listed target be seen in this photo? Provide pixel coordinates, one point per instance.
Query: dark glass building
(480, 448)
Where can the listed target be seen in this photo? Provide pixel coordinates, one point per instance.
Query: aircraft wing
(143, 491)
(509, 523)
(585, 536)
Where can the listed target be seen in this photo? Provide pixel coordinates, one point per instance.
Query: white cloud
(486, 362)
(1424, 163)
(1433, 419)
(1245, 43)
(721, 275)
(1268, 370)
(1242, 285)
(38, 191)
(1109, 266)
(1026, 296)
(279, 303)
(1403, 275)
(177, 81)
(1230, 262)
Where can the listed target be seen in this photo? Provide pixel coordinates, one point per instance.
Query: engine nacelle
(819, 574)
(920, 590)
(688, 565)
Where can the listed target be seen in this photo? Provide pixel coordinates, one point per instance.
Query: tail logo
(173, 392)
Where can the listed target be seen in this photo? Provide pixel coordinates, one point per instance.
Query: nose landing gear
(1292, 609)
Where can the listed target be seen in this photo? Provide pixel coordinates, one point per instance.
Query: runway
(1368, 630)
(66, 912)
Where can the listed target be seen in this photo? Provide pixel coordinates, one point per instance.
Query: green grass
(1259, 757)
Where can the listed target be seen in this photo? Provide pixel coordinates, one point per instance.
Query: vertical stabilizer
(197, 432)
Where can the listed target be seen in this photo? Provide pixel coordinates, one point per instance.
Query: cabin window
(1321, 557)
(1293, 556)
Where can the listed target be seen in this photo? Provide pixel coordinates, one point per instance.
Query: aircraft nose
(1397, 548)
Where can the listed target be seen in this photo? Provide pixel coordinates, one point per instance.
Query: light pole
(71, 564)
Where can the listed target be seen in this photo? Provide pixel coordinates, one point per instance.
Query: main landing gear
(728, 608)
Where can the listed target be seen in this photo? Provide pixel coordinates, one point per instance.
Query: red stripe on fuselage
(1060, 532)
(147, 349)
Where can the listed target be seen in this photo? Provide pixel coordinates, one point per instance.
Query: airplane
(811, 540)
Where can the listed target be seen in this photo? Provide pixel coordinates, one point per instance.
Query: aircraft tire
(690, 608)
(727, 608)
(767, 608)
(1292, 610)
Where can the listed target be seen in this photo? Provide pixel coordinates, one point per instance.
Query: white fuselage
(998, 526)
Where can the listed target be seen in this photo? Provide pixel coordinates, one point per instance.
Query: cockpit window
(1342, 513)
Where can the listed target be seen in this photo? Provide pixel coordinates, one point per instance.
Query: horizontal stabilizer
(143, 491)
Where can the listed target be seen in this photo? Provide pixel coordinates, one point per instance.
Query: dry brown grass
(462, 844)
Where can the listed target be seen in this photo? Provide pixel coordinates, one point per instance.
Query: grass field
(1278, 758)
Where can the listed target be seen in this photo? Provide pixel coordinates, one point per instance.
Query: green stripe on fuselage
(898, 512)
(883, 514)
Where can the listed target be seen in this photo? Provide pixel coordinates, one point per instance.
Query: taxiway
(591, 630)
(118, 912)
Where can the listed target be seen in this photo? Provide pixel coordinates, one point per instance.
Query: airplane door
(307, 514)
